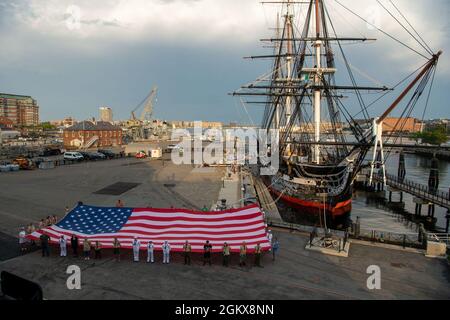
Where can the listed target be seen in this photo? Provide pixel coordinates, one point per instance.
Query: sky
(75, 56)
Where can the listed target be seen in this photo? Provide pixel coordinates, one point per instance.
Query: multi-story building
(21, 110)
(106, 114)
(92, 134)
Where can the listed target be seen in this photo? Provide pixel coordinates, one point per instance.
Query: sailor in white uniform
(166, 251)
(136, 247)
(270, 237)
(150, 248)
(63, 246)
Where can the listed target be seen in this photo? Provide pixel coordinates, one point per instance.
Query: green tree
(436, 136)
(47, 126)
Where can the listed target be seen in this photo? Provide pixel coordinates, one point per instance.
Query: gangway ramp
(265, 200)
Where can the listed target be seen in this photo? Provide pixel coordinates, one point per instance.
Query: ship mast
(277, 107)
(289, 50)
(317, 82)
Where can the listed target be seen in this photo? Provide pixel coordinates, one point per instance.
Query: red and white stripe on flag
(233, 226)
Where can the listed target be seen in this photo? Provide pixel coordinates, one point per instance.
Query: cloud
(218, 23)
(43, 36)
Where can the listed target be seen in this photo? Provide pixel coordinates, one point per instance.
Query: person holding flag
(150, 248)
(258, 255)
(116, 246)
(226, 254)
(63, 246)
(74, 244)
(136, 247)
(187, 252)
(242, 254)
(166, 252)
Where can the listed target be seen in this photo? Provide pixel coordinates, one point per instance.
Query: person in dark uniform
(258, 255)
(98, 250)
(116, 246)
(242, 254)
(44, 245)
(74, 244)
(207, 253)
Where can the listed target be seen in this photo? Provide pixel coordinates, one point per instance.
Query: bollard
(420, 237)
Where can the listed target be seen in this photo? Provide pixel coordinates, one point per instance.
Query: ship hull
(314, 207)
(306, 199)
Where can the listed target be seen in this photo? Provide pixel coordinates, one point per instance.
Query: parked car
(92, 155)
(100, 156)
(108, 153)
(74, 156)
(141, 155)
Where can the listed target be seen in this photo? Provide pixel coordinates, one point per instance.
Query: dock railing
(438, 197)
(411, 240)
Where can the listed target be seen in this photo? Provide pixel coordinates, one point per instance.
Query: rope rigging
(382, 31)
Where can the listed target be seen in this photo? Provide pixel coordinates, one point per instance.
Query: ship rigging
(304, 101)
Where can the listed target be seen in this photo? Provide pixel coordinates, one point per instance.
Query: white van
(73, 156)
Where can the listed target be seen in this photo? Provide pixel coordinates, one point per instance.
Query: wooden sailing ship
(301, 94)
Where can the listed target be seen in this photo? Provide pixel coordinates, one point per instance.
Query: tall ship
(321, 145)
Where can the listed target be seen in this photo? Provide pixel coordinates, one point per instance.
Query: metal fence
(412, 240)
(403, 239)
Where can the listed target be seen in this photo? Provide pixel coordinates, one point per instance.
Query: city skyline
(113, 56)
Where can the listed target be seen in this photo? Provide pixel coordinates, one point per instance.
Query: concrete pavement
(296, 274)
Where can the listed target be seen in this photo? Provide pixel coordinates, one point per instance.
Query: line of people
(31, 227)
(87, 247)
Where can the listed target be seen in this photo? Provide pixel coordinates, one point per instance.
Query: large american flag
(174, 225)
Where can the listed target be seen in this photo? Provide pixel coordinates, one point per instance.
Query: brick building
(410, 125)
(21, 110)
(92, 134)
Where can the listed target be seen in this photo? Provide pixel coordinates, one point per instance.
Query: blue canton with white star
(93, 220)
